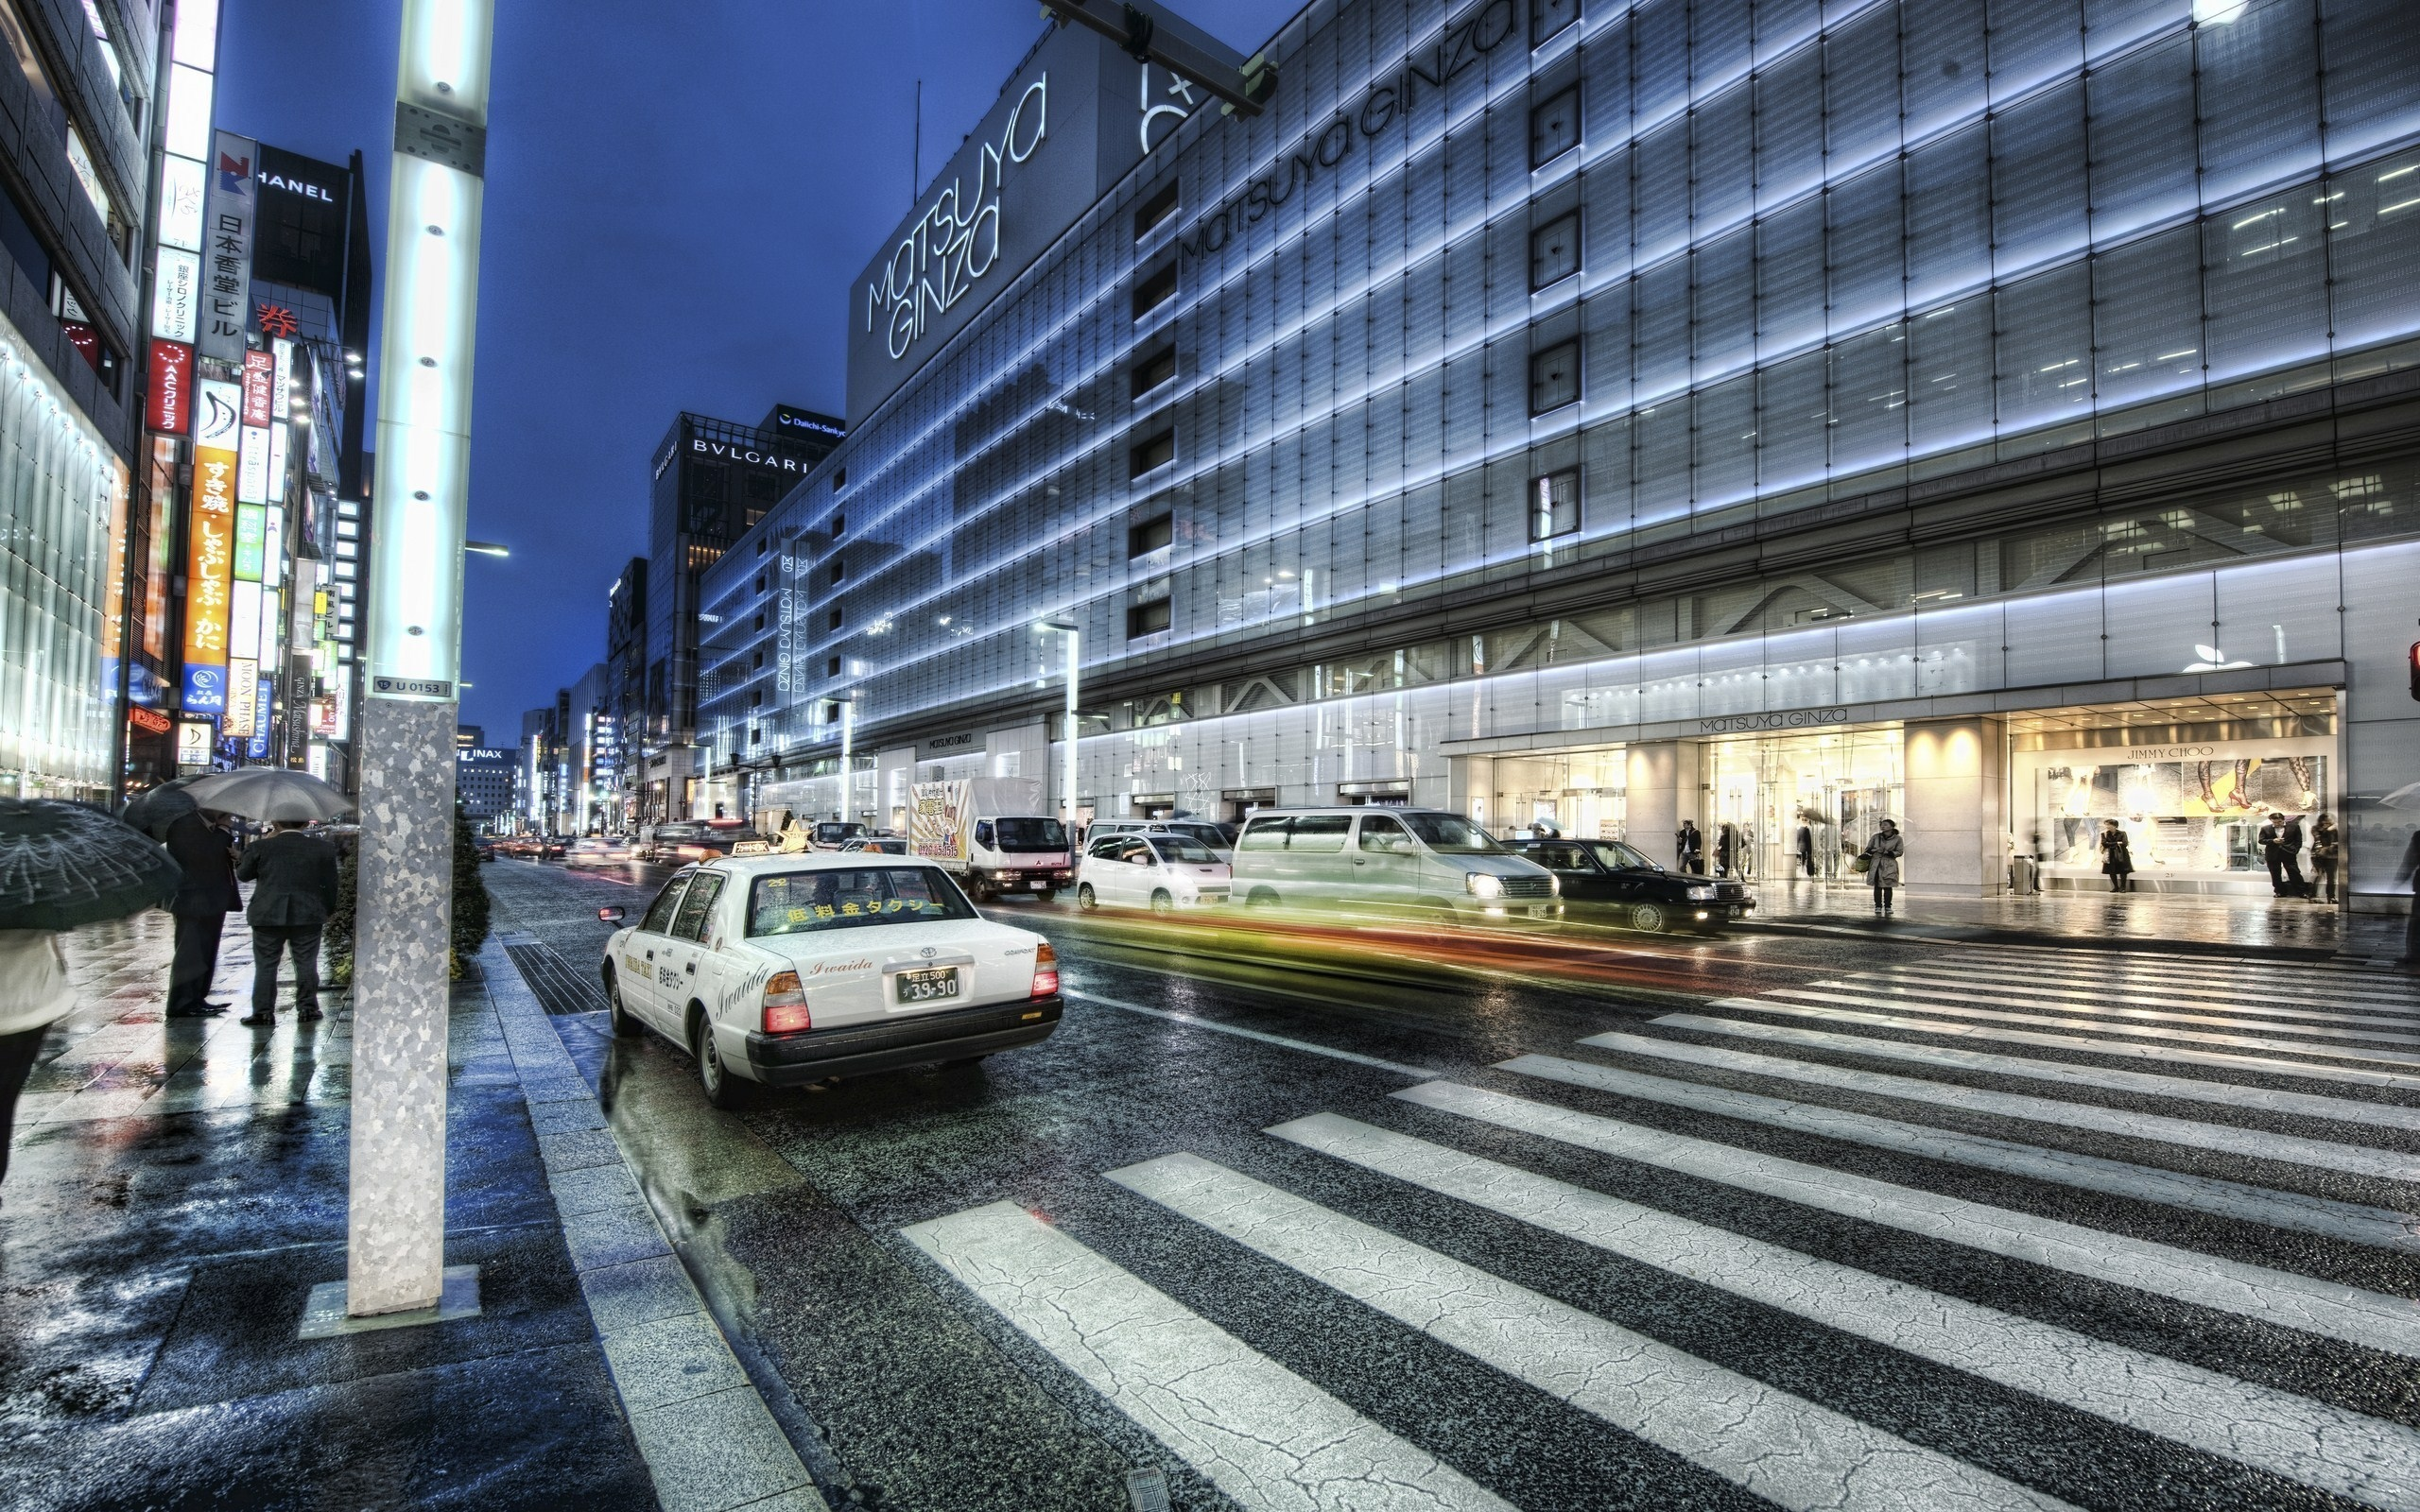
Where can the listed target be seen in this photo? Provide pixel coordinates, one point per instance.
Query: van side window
(1321, 833)
(659, 914)
(691, 924)
(1381, 833)
(1263, 834)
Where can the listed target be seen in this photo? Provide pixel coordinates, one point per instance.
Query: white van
(1398, 858)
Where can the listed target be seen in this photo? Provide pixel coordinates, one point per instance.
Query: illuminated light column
(1075, 642)
(395, 1258)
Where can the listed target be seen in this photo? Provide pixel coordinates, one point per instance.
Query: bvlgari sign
(1063, 130)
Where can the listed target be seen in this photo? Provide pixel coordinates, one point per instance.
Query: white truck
(994, 833)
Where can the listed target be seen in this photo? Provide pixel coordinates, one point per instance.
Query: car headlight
(1483, 885)
(1702, 895)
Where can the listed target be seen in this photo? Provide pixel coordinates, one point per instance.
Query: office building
(1998, 417)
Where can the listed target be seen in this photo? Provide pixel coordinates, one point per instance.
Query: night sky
(677, 195)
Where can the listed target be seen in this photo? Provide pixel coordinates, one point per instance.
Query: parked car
(485, 846)
(1161, 873)
(688, 840)
(835, 834)
(785, 970)
(1439, 863)
(599, 850)
(1218, 838)
(885, 845)
(1616, 881)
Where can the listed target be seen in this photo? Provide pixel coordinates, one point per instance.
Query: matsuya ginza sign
(957, 240)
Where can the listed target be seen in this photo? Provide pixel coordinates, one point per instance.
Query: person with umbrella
(204, 852)
(294, 878)
(61, 865)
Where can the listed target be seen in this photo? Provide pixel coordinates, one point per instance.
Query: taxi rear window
(804, 902)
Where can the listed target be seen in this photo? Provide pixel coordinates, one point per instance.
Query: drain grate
(560, 990)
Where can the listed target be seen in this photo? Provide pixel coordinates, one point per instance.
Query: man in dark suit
(294, 878)
(204, 851)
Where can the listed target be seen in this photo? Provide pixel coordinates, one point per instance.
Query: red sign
(171, 387)
(277, 320)
(150, 720)
(84, 339)
(260, 384)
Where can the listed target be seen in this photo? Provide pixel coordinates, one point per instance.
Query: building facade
(485, 780)
(2001, 418)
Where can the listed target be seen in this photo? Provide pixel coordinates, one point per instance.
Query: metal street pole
(1068, 778)
(848, 707)
(396, 1261)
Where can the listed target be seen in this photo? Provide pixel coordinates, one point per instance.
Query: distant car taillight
(1046, 971)
(785, 1004)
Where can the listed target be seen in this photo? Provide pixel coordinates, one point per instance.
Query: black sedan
(1624, 884)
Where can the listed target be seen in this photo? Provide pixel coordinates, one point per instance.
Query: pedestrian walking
(2408, 874)
(201, 847)
(61, 865)
(2327, 855)
(1881, 856)
(2117, 856)
(1806, 849)
(1726, 850)
(1689, 849)
(294, 889)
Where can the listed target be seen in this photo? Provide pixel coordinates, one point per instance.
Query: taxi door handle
(650, 955)
(1360, 861)
(691, 967)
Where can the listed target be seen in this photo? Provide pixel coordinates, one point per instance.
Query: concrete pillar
(395, 1259)
(895, 775)
(1954, 824)
(1470, 790)
(1666, 785)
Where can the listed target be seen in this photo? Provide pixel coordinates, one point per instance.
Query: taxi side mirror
(611, 915)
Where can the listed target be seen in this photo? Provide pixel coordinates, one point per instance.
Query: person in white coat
(34, 994)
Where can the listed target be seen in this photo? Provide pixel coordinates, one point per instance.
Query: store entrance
(1787, 807)
(1582, 793)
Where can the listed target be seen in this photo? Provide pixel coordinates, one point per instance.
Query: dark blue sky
(676, 197)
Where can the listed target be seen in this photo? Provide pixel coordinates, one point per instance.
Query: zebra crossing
(1922, 1235)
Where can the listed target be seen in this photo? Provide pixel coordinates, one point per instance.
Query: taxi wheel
(1084, 898)
(1162, 902)
(722, 1088)
(1648, 918)
(618, 1016)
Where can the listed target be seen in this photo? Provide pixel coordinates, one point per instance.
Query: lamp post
(1075, 642)
(848, 754)
(395, 1265)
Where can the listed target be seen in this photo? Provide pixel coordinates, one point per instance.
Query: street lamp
(1075, 640)
(487, 548)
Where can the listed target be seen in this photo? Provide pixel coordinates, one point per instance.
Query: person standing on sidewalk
(201, 847)
(294, 878)
(2326, 854)
(2408, 874)
(2117, 856)
(1882, 855)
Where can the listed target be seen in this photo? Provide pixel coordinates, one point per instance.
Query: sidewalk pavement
(2284, 927)
(176, 1189)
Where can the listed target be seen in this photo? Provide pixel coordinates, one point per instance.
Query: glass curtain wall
(1836, 788)
(62, 494)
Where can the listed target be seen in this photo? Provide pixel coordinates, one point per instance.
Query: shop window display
(2192, 822)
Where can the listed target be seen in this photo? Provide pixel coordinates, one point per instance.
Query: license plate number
(1736, 910)
(926, 987)
(1037, 885)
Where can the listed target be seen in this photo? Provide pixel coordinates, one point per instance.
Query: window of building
(1149, 619)
(760, 551)
(834, 619)
(1555, 250)
(1554, 504)
(832, 666)
(1154, 290)
(1548, 17)
(760, 577)
(1153, 212)
(1554, 128)
(760, 622)
(1554, 377)
(840, 569)
(840, 525)
(1154, 370)
(1149, 535)
(756, 699)
(1157, 450)
(839, 478)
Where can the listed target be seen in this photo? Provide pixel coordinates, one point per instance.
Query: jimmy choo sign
(957, 240)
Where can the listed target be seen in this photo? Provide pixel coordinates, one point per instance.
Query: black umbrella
(62, 865)
(154, 811)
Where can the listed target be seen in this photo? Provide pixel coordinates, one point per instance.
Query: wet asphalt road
(1823, 1222)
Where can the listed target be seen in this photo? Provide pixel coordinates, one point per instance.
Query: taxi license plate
(1737, 911)
(926, 987)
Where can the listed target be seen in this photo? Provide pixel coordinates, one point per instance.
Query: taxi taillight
(1045, 971)
(785, 1004)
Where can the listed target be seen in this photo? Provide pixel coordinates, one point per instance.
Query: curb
(701, 1425)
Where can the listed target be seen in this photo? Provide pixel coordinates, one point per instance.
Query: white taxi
(1161, 873)
(784, 969)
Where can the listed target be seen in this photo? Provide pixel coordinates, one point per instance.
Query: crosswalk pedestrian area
(1923, 1236)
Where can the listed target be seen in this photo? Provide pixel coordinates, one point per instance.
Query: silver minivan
(1392, 858)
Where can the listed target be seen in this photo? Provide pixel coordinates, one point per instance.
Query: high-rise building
(1998, 417)
(80, 662)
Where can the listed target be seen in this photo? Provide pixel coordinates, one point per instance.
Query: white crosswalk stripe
(2309, 1105)
(1784, 1449)
(2379, 1227)
(1263, 1434)
(2372, 1319)
(2165, 1051)
(2148, 1024)
(2190, 1133)
(2345, 1453)
(1955, 987)
(2100, 966)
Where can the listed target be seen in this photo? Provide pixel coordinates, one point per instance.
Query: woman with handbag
(1881, 857)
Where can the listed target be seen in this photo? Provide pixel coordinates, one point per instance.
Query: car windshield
(1451, 834)
(1183, 848)
(802, 903)
(1033, 835)
(1615, 854)
(1216, 837)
